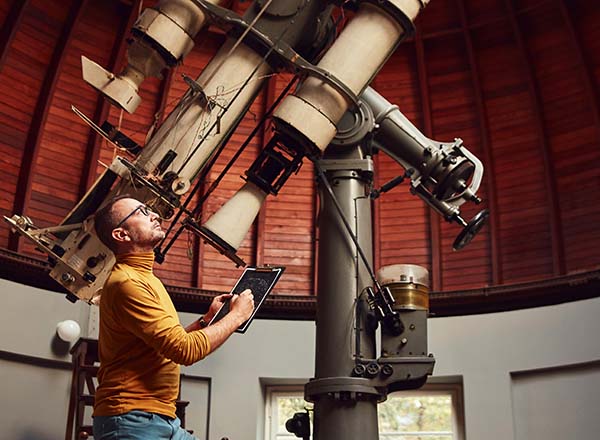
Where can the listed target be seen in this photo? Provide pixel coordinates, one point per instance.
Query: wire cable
(213, 186)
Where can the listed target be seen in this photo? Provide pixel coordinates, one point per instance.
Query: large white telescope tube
(313, 112)
(354, 58)
(189, 122)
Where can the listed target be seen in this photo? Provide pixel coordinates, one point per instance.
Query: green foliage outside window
(414, 414)
(416, 417)
(287, 406)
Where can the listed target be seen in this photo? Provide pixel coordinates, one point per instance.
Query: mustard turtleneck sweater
(141, 342)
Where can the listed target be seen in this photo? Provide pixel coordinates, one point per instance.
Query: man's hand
(242, 305)
(215, 306)
(240, 309)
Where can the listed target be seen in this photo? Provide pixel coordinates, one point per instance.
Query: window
(282, 403)
(433, 412)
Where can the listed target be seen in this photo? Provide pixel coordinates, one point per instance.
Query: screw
(67, 278)
(387, 370)
(373, 369)
(359, 370)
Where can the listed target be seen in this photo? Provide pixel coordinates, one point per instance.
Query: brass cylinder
(409, 285)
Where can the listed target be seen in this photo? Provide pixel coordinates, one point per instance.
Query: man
(141, 342)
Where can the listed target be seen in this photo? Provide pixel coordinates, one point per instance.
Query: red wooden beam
(558, 252)
(434, 221)
(9, 29)
(34, 136)
(489, 176)
(439, 34)
(102, 106)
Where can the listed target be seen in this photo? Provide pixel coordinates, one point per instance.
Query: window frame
(435, 386)
(271, 393)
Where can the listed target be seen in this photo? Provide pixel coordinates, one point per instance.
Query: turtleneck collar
(142, 260)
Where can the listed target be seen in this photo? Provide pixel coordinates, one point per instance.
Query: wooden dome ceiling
(517, 80)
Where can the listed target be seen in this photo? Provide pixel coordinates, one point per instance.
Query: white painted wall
(34, 393)
(559, 403)
(491, 352)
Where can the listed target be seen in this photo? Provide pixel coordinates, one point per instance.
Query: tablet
(258, 279)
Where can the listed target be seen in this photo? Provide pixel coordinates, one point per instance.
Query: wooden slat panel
(238, 6)
(454, 115)
(558, 259)
(582, 20)
(515, 148)
(586, 16)
(289, 220)
(527, 5)
(434, 220)
(117, 58)
(71, 88)
(178, 268)
(402, 217)
(21, 83)
(566, 110)
(11, 16)
(5, 9)
(63, 142)
(486, 158)
(439, 16)
(483, 11)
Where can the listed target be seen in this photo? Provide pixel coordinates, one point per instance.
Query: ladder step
(87, 399)
(92, 369)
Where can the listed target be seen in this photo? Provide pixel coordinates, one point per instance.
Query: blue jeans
(139, 425)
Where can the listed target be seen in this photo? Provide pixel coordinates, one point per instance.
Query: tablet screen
(258, 279)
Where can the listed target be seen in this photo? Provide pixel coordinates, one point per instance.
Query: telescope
(332, 118)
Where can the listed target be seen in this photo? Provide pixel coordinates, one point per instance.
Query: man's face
(144, 231)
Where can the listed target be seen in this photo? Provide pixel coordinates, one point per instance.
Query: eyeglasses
(142, 208)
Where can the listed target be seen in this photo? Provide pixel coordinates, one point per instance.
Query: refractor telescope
(444, 175)
(332, 118)
(332, 102)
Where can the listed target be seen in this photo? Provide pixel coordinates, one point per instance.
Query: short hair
(106, 219)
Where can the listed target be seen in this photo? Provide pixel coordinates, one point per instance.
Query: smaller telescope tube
(161, 37)
(233, 220)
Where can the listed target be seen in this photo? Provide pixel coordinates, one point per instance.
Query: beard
(147, 237)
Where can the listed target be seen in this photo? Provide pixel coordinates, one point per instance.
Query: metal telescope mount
(332, 118)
